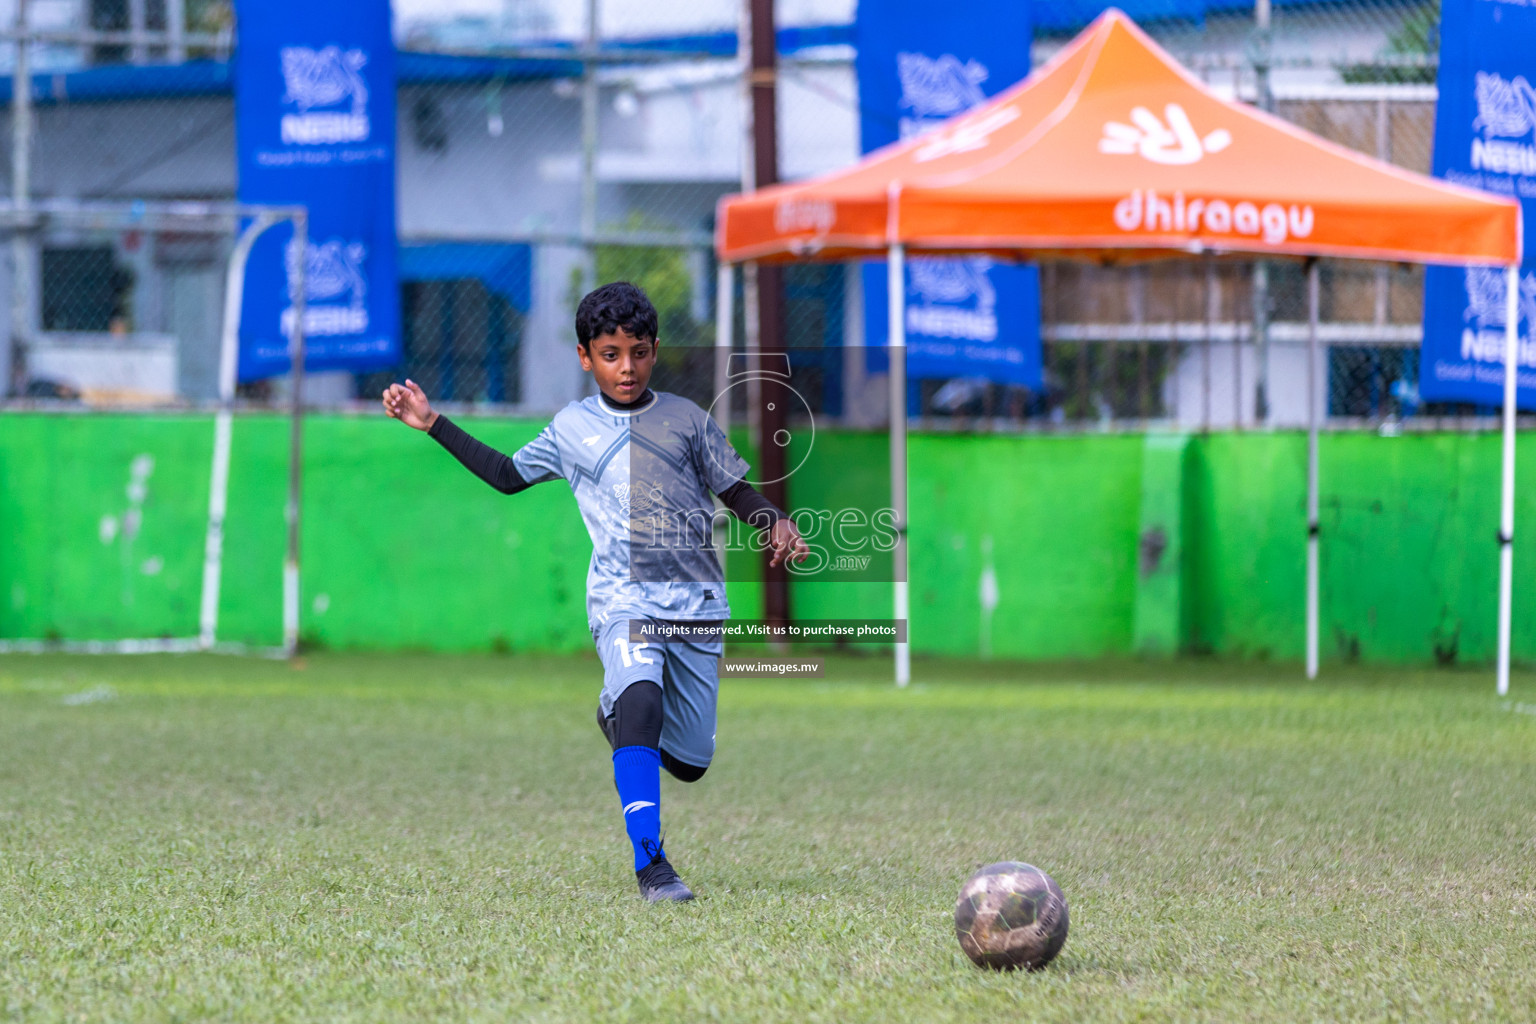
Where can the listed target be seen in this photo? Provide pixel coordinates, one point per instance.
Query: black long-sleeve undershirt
(748, 504)
(490, 465)
(497, 469)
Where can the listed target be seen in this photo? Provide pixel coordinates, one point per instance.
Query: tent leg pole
(896, 287)
(1507, 490)
(1312, 483)
(295, 440)
(725, 326)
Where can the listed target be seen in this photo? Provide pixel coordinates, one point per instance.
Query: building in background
(490, 203)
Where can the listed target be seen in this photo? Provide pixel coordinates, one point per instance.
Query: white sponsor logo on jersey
(632, 501)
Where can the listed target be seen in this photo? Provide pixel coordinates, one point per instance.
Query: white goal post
(246, 223)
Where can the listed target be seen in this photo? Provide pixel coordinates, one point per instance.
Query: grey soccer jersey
(642, 480)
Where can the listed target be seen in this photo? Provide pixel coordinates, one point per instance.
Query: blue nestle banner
(1485, 137)
(966, 316)
(315, 125)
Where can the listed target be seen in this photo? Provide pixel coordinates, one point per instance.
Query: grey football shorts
(688, 672)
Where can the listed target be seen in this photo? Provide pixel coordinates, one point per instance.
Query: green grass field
(428, 838)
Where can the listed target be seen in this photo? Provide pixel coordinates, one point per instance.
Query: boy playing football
(641, 465)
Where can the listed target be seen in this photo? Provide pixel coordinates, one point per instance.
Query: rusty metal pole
(772, 418)
(24, 263)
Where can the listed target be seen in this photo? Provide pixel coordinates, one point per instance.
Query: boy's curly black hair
(614, 306)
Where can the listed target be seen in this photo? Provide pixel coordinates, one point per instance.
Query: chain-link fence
(529, 166)
(129, 309)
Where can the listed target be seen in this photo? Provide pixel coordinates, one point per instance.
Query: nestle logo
(1506, 114)
(1506, 107)
(326, 78)
(795, 215)
(334, 272)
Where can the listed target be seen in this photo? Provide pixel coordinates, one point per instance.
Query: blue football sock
(637, 773)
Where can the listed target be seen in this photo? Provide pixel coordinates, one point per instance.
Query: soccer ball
(1011, 915)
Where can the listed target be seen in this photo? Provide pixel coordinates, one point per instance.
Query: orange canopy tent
(1114, 148)
(1113, 152)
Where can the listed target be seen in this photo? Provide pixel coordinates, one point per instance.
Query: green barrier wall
(405, 550)
(1409, 564)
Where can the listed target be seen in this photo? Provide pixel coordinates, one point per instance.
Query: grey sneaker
(658, 879)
